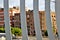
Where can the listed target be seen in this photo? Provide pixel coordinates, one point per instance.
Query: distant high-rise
(11, 15)
(15, 20)
(30, 21)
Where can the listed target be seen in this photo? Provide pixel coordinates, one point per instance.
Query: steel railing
(36, 19)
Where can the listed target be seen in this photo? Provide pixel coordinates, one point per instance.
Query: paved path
(33, 38)
(30, 38)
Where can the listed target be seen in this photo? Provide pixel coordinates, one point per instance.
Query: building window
(28, 27)
(52, 16)
(28, 16)
(31, 24)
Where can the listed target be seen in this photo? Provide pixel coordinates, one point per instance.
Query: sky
(28, 4)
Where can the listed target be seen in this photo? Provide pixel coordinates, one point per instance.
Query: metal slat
(57, 10)
(7, 19)
(23, 20)
(48, 20)
(36, 20)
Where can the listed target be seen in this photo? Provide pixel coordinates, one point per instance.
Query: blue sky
(29, 4)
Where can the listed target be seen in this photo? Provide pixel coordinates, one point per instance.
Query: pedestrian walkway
(34, 38)
(29, 38)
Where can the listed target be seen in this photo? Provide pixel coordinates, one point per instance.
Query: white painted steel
(23, 20)
(36, 20)
(7, 19)
(57, 10)
(48, 20)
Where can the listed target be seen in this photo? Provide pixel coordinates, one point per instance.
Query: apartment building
(15, 21)
(30, 21)
(1, 17)
(11, 15)
(53, 20)
(42, 17)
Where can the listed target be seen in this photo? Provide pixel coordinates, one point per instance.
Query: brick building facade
(15, 21)
(30, 21)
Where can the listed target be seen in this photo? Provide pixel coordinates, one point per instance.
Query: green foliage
(53, 29)
(16, 31)
(2, 30)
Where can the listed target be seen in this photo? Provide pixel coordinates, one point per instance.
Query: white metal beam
(36, 20)
(48, 20)
(57, 10)
(7, 20)
(23, 20)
